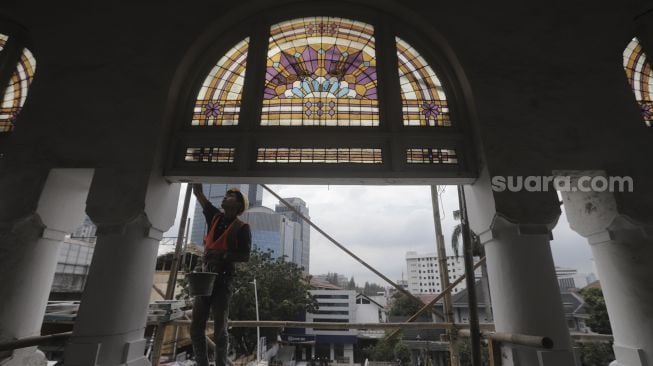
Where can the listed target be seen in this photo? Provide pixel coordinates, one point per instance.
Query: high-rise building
(301, 239)
(424, 272)
(271, 231)
(215, 193)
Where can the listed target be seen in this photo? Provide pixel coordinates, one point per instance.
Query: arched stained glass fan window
(218, 102)
(15, 94)
(303, 96)
(640, 76)
(422, 96)
(321, 71)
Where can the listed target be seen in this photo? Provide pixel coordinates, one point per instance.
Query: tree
(389, 349)
(351, 285)
(283, 294)
(403, 305)
(332, 278)
(598, 321)
(595, 353)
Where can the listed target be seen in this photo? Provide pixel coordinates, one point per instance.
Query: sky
(381, 223)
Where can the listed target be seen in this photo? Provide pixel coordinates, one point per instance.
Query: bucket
(201, 283)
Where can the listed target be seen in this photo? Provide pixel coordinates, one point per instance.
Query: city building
(570, 278)
(74, 261)
(271, 231)
(215, 193)
(424, 274)
(302, 236)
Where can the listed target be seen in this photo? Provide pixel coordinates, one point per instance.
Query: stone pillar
(515, 229)
(132, 211)
(623, 255)
(29, 248)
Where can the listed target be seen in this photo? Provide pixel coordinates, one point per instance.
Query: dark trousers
(218, 302)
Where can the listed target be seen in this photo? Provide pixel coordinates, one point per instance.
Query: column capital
(503, 226)
(597, 215)
(119, 197)
(29, 227)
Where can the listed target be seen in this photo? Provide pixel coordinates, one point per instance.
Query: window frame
(391, 135)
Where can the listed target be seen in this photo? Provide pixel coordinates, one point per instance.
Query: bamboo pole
(324, 325)
(438, 297)
(172, 279)
(351, 254)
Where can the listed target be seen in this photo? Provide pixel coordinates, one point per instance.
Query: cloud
(381, 223)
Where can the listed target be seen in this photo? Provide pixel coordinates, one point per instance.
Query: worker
(228, 240)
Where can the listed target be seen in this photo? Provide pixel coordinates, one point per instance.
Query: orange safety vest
(228, 239)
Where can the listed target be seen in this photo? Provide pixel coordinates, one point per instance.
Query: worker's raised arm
(199, 194)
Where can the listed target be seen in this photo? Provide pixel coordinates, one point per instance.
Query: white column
(623, 255)
(112, 317)
(29, 251)
(525, 294)
(515, 229)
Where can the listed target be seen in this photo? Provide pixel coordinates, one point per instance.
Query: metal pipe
(475, 336)
(515, 338)
(351, 254)
(33, 341)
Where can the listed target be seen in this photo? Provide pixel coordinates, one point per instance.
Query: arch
(17, 68)
(640, 77)
(303, 76)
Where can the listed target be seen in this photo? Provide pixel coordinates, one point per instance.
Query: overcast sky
(381, 223)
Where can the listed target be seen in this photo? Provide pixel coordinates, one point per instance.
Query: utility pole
(474, 329)
(444, 273)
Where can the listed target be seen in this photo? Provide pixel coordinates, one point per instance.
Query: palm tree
(478, 251)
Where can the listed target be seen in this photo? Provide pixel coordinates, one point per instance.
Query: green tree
(351, 285)
(595, 353)
(403, 305)
(388, 349)
(598, 321)
(283, 294)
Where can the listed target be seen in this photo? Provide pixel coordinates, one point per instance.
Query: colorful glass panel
(16, 92)
(640, 76)
(219, 99)
(319, 155)
(321, 71)
(210, 154)
(431, 156)
(422, 95)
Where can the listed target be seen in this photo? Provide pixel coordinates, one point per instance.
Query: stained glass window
(640, 77)
(219, 99)
(210, 154)
(319, 155)
(422, 96)
(16, 92)
(431, 156)
(321, 71)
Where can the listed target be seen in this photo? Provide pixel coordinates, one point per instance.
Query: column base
(627, 356)
(81, 353)
(30, 356)
(512, 355)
